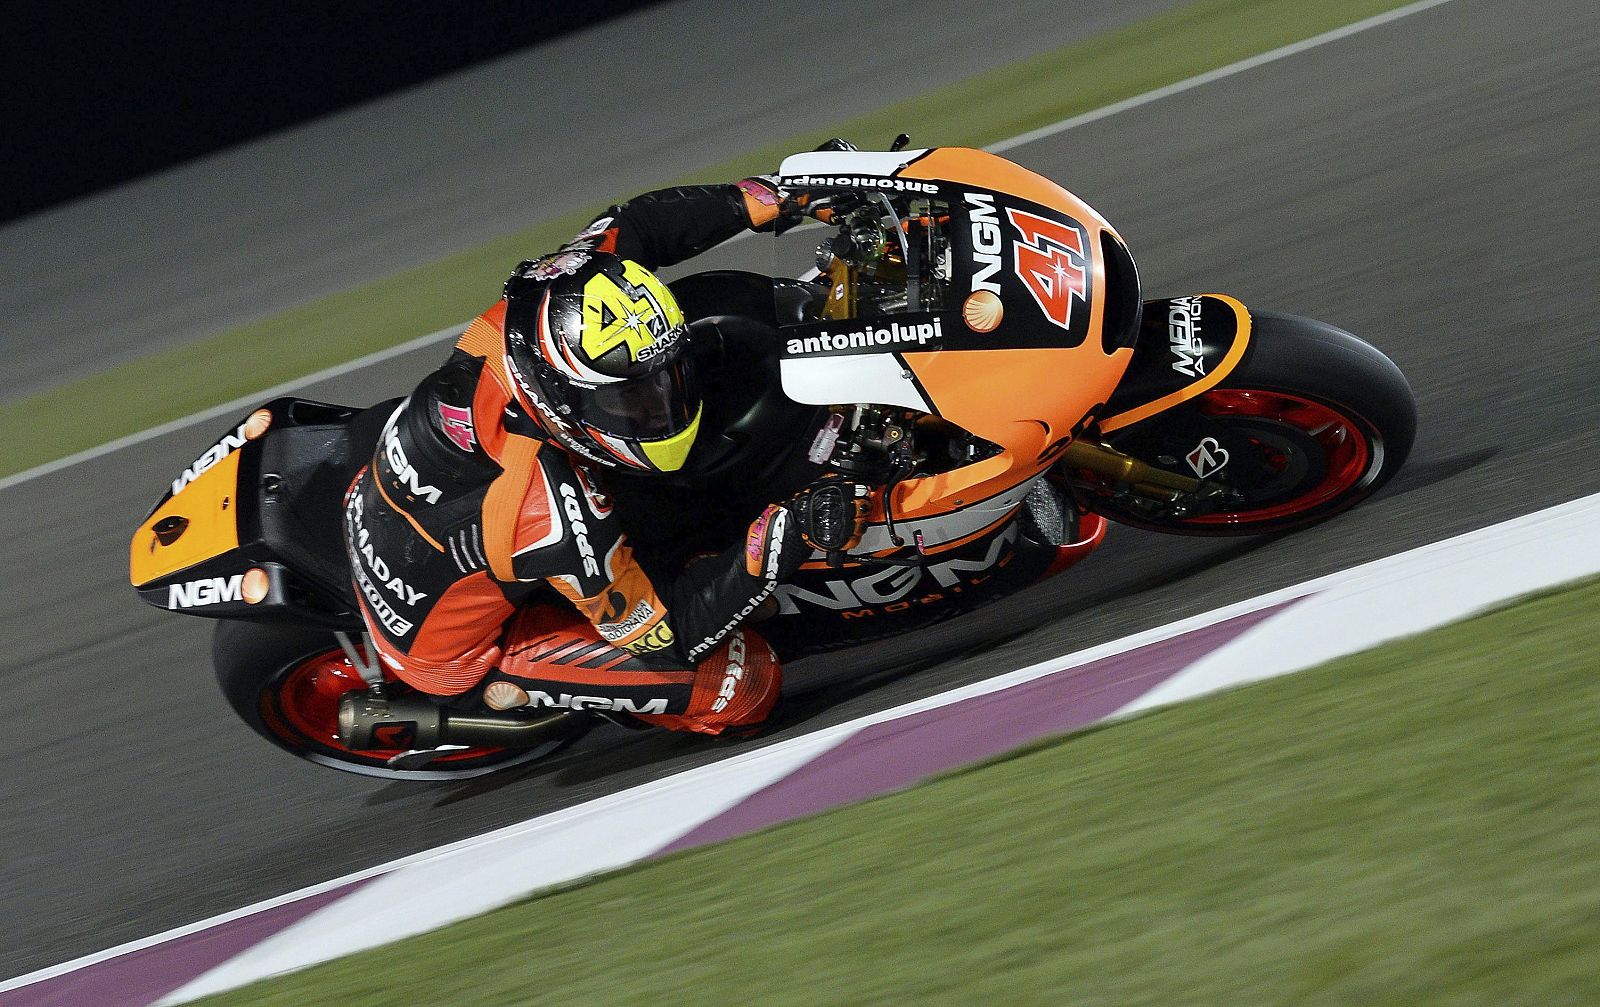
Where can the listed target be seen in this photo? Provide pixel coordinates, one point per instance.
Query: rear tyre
(1311, 423)
(285, 682)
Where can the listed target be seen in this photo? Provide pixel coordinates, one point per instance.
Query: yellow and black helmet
(599, 349)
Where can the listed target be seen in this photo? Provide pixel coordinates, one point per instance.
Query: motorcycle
(970, 340)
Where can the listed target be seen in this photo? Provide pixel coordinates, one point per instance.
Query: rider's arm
(567, 536)
(667, 226)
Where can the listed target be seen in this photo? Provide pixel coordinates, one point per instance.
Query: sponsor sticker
(594, 230)
(206, 591)
(456, 422)
(780, 523)
(894, 586)
(567, 701)
(986, 242)
(550, 267)
(641, 615)
(879, 338)
(361, 542)
(1183, 333)
(218, 451)
(659, 638)
(1207, 458)
(857, 182)
(405, 476)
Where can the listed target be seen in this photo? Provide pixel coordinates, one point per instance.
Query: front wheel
(286, 681)
(1311, 423)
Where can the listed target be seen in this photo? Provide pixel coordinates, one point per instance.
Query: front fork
(1143, 479)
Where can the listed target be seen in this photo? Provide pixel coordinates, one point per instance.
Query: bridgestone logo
(857, 182)
(870, 338)
(379, 605)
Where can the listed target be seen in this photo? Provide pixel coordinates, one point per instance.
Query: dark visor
(648, 408)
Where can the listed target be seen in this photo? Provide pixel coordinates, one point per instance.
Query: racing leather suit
(468, 508)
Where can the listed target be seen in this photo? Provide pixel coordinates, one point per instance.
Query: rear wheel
(1314, 421)
(285, 682)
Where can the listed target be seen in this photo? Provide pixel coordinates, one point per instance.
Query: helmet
(598, 350)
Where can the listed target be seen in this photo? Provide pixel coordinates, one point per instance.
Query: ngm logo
(206, 591)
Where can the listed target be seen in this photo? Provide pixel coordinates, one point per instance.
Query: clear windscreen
(879, 254)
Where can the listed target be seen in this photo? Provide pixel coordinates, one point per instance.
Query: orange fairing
(1046, 392)
(207, 507)
(966, 166)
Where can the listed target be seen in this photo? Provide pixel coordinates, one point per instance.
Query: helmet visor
(648, 408)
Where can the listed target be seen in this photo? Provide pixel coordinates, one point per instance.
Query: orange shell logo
(257, 424)
(982, 311)
(254, 586)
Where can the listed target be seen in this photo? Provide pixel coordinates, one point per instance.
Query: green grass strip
(176, 382)
(1418, 824)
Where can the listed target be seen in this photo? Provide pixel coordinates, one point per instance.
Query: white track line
(237, 405)
(1074, 122)
(1199, 80)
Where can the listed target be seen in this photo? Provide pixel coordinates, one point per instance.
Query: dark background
(100, 93)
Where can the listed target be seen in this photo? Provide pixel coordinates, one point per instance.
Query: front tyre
(1311, 423)
(286, 681)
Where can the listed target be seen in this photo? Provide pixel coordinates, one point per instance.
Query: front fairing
(955, 284)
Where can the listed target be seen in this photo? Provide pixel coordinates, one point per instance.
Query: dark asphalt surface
(1428, 184)
(409, 179)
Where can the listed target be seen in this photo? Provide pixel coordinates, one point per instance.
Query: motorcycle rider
(487, 483)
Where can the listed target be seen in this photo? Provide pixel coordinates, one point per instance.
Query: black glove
(831, 515)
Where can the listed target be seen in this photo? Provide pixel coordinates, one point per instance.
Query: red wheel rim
(1347, 449)
(305, 707)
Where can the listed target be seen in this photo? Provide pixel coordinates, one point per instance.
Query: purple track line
(140, 978)
(896, 753)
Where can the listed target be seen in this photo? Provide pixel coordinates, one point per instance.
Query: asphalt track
(576, 122)
(1428, 184)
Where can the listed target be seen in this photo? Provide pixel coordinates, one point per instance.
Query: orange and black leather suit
(468, 508)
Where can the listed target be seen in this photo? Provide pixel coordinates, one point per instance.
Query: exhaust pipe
(373, 719)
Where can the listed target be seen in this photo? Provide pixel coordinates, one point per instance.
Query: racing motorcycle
(960, 333)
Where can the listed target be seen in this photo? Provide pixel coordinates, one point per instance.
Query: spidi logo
(733, 673)
(580, 531)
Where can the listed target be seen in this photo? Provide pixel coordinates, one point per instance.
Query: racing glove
(770, 207)
(830, 515)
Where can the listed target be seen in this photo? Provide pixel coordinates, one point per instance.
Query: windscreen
(879, 254)
(878, 260)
